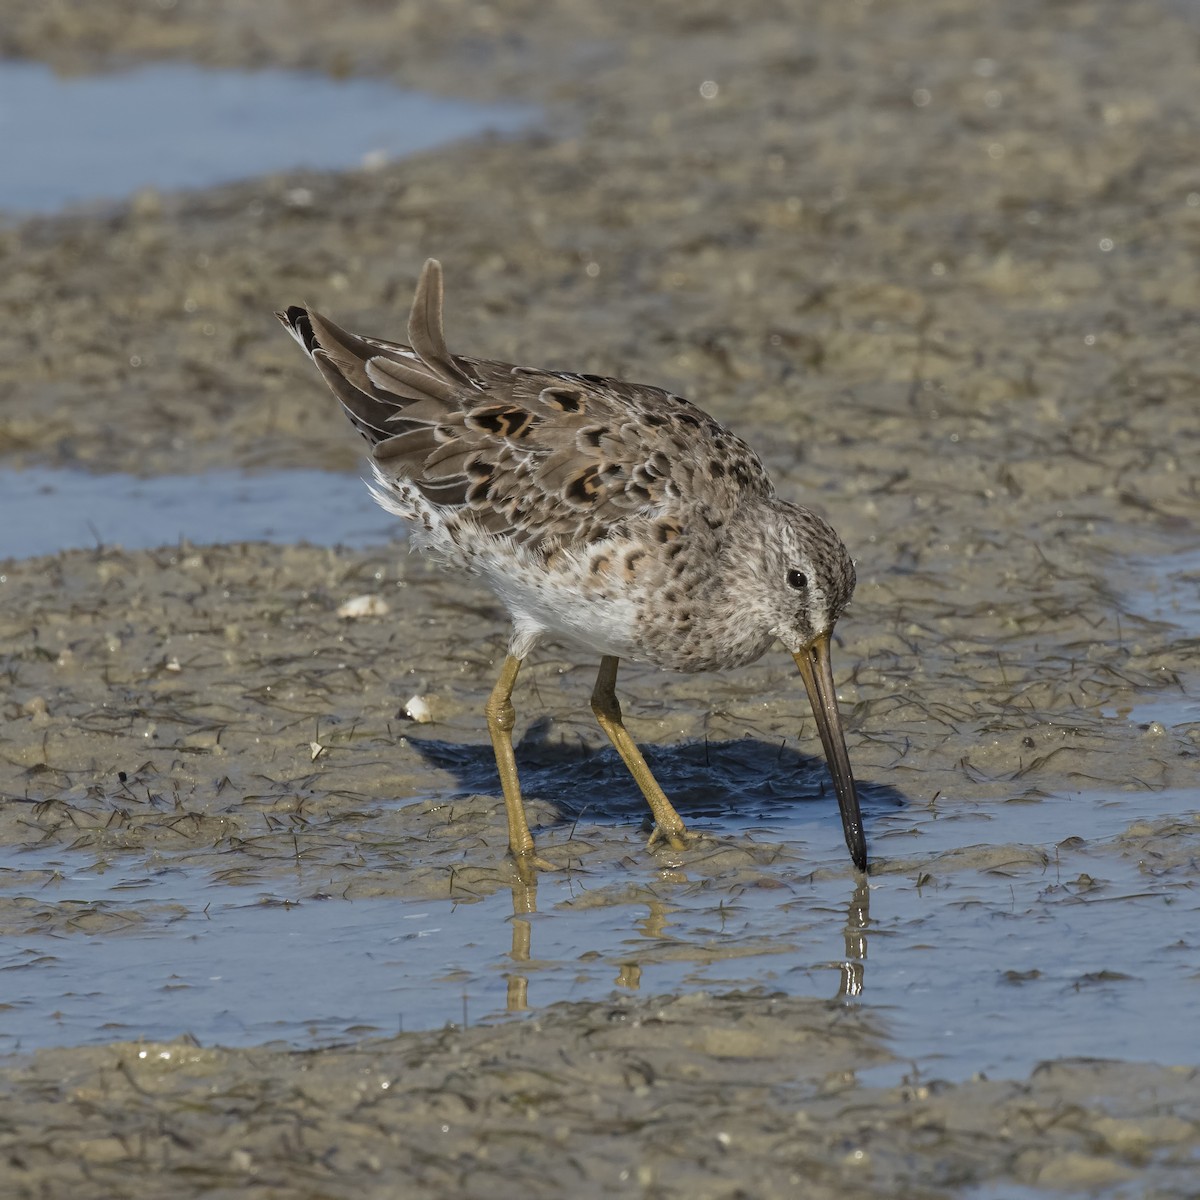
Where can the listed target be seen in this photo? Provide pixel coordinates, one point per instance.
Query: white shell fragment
(364, 606)
(417, 709)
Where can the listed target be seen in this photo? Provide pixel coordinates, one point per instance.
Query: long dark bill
(817, 673)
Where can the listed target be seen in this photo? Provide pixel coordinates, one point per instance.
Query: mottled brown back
(547, 458)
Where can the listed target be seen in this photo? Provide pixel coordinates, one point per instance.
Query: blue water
(173, 126)
(70, 510)
(992, 969)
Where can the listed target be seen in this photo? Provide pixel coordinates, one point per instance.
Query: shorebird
(615, 516)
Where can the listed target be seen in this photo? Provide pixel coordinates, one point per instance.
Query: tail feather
(386, 386)
(407, 401)
(366, 411)
(425, 330)
(411, 380)
(295, 320)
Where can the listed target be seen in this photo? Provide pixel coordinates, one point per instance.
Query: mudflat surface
(938, 262)
(728, 1096)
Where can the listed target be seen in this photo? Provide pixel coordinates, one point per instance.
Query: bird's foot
(528, 865)
(676, 837)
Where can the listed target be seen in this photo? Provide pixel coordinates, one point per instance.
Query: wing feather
(547, 458)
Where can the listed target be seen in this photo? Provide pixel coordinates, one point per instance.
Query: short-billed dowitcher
(618, 517)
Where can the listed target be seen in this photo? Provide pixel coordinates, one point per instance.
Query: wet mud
(733, 1095)
(937, 262)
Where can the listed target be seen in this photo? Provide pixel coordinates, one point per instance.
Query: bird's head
(796, 578)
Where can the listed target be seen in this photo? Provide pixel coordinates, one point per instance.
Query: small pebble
(364, 606)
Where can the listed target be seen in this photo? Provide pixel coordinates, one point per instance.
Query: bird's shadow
(742, 777)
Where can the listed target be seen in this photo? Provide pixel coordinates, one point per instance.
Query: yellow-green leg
(501, 717)
(524, 899)
(668, 825)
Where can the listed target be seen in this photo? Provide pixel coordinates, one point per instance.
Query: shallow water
(65, 509)
(1166, 587)
(171, 126)
(976, 959)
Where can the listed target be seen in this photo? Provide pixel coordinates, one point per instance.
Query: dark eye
(797, 580)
